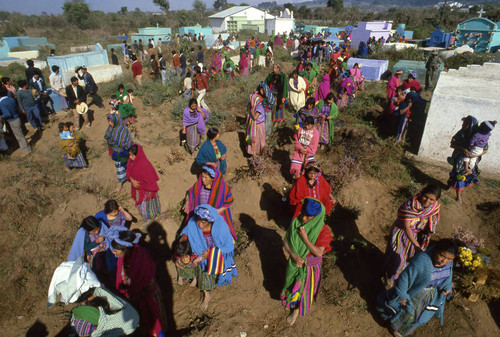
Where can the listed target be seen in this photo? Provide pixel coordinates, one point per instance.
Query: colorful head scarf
(204, 214)
(311, 207)
(210, 170)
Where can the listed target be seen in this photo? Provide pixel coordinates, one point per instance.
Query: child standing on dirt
(184, 263)
(477, 144)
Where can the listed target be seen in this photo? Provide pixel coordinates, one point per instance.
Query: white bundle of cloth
(70, 280)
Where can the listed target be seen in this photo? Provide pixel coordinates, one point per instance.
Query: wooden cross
(481, 12)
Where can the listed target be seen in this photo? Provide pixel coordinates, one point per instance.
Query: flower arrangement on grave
(473, 276)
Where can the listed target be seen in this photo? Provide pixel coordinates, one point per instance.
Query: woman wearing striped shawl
(256, 126)
(416, 222)
(421, 290)
(119, 141)
(211, 189)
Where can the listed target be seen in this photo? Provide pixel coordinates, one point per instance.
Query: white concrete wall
(28, 54)
(252, 14)
(279, 26)
(475, 91)
(399, 46)
(218, 25)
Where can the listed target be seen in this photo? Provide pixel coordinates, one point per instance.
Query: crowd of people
(112, 276)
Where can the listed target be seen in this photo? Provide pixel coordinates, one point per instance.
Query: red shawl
(301, 190)
(139, 274)
(143, 171)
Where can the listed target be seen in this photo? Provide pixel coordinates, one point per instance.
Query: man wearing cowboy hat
(77, 102)
(433, 64)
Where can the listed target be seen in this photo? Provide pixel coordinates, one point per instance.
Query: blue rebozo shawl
(414, 278)
(206, 154)
(77, 248)
(223, 241)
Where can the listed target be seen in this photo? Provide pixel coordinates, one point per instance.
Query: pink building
(366, 30)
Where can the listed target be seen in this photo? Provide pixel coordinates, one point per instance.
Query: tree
(335, 4)
(77, 12)
(304, 12)
(219, 4)
(199, 7)
(163, 4)
(290, 7)
(124, 10)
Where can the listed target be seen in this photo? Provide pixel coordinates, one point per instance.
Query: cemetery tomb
(481, 34)
(366, 30)
(154, 33)
(459, 93)
(417, 66)
(4, 50)
(195, 30)
(439, 39)
(13, 41)
(406, 34)
(26, 42)
(96, 61)
(372, 69)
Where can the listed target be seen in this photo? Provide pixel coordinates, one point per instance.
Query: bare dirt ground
(43, 205)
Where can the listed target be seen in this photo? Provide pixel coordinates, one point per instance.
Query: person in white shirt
(57, 85)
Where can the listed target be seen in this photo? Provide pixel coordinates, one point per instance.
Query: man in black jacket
(31, 70)
(76, 95)
(90, 86)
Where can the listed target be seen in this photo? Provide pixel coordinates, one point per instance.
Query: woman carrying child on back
(69, 142)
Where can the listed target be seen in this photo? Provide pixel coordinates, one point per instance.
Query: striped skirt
(78, 162)
(311, 287)
(206, 282)
(324, 132)
(405, 324)
(188, 273)
(399, 251)
(151, 208)
(121, 171)
(192, 137)
(258, 139)
(279, 113)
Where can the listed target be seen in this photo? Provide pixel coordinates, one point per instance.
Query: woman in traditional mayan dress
(306, 241)
(416, 222)
(421, 290)
(211, 240)
(256, 123)
(328, 112)
(136, 281)
(144, 187)
(119, 141)
(313, 185)
(211, 189)
(193, 124)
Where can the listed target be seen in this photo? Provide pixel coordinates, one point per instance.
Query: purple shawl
(347, 86)
(189, 119)
(324, 88)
